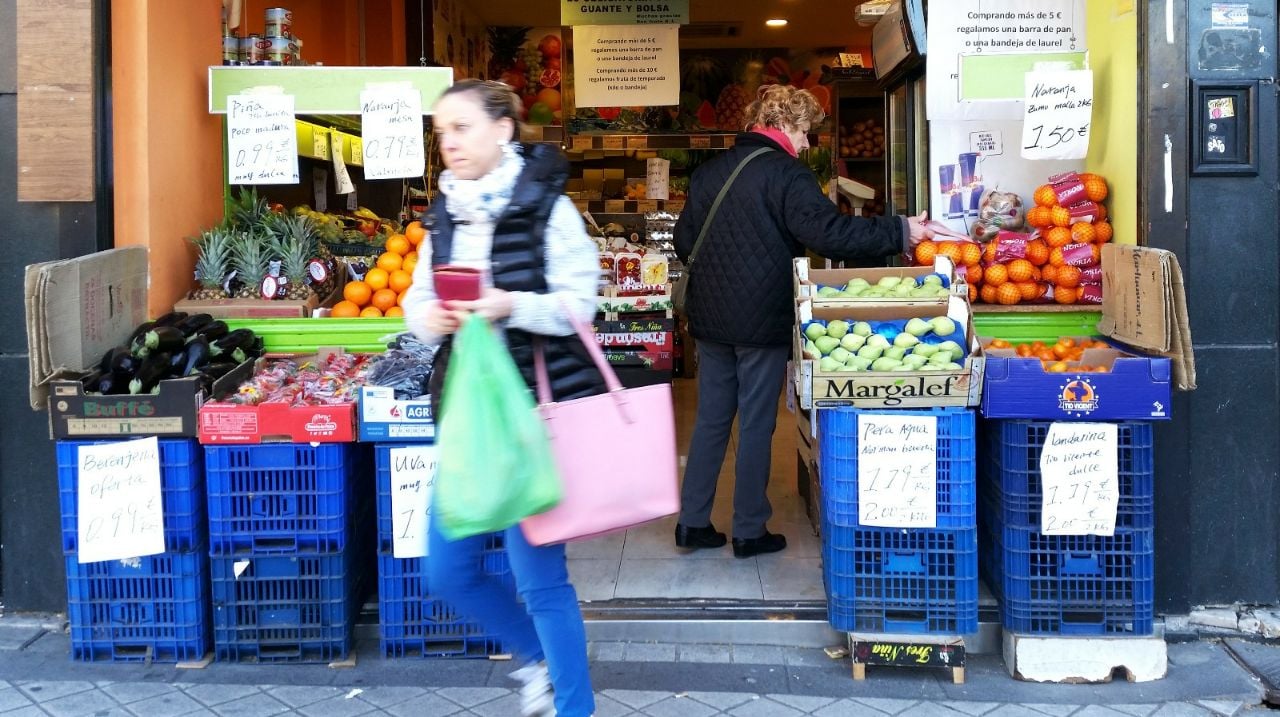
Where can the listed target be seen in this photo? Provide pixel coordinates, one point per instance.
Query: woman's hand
(918, 231)
(493, 305)
(442, 321)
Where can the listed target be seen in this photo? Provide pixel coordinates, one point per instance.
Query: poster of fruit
(460, 39)
(716, 86)
(529, 59)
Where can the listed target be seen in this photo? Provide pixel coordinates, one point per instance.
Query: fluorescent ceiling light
(776, 22)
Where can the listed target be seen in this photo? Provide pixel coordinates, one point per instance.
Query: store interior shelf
(315, 142)
(629, 206)
(603, 141)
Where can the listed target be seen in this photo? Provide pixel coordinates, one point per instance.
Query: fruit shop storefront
(1025, 305)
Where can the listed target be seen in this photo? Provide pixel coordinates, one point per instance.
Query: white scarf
(482, 200)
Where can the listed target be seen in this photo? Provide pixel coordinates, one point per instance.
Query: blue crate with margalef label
(955, 461)
(182, 494)
(383, 417)
(284, 497)
(149, 609)
(1077, 584)
(912, 581)
(284, 608)
(412, 623)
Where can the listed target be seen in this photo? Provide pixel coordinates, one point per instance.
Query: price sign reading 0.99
(1057, 114)
(262, 140)
(897, 471)
(119, 511)
(392, 133)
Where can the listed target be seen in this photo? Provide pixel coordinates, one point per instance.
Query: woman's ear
(506, 130)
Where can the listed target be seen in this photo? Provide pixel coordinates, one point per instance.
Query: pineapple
(731, 106)
(248, 211)
(250, 257)
(295, 254)
(215, 247)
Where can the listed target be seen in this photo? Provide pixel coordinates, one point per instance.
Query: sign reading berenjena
(622, 12)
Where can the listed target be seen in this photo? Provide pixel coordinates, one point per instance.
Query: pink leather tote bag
(606, 488)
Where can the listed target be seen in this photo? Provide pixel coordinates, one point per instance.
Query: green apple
(878, 341)
(915, 361)
(884, 363)
(905, 340)
(943, 326)
(889, 282)
(828, 364)
(826, 343)
(862, 328)
(814, 330)
(811, 351)
(895, 352)
(925, 350)
(871, 353)
(852, 341)
(840, 354)
(826, 292)
(917, 327)
(953, 348)
(859, 363)
(837, 329)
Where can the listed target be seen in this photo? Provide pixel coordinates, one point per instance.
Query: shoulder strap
(716, 204)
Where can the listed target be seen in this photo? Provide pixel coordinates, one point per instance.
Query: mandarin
(1063, 295)
(951, 250)
(1082, 233)
(970, 254)
(1056, 258)
(1029, 289)
(1068, 276)
(987, 294)
(973, 275)
(989, 253)
(1045, 196)
(1020, 270)
(1008, 294)
(1061, 216)
(1049, 273)
(995, 275)
(973, 293)
(357, 292)
(1102, 232)
(1038, 217)
(344, 310)
(1095, 187)
(1057, 236)
(925, 252)
(1037, 252)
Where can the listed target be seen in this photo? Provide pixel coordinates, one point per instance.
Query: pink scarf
(778, 136)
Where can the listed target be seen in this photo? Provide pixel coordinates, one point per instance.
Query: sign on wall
(627, 65)
(262, 140)
(615, 12)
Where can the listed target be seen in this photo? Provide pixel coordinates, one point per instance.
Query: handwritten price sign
(119, 511)
(262, 140)
(392, 133)
(1079, 474)
(897, 471)
(1057, 115)
(413, 475)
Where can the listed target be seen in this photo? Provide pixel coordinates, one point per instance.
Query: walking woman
(502, 210)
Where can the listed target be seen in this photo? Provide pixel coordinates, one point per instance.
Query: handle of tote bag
(593, 348)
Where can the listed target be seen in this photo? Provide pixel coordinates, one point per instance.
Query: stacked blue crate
(915, 580)
(289, 548)
(152, 608)
(1068, 584)
(412, 623)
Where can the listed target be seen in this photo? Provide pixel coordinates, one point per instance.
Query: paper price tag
(120, 514)
(357, 151)
(1057, 115)
(320, 143)
(645, 206)
(341, 178)
(392, 132)
(581, 143)
(320, 188)
(413, 476)
(1079, 476)
(352, 202)
(262, 140)
(615, 206)
(615, 142)
(637, 143)
(897, 470)
(700, 142)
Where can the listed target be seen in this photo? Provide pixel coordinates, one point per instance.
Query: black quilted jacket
(740, 290)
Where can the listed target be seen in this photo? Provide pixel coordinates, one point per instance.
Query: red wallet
(456, 283)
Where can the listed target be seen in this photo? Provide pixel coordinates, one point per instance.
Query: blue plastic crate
(414, 624)
(284, 608)
(1012, 472)
(181, 492)
(1077, 584)
(913, 581)
(152, 608)
(283, 497)
(956, 464)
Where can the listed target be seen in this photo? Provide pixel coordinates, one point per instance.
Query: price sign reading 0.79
(392, 132)
(897, 471)
(1057, 113)
(262, 140)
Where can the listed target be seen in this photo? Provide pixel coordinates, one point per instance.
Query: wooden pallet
(938, 652)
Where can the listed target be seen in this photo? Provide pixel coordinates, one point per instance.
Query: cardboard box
(383, 417)
(807, 279)
(1144, 304)
(1135, 387)
(260, 308)
(888, 389)
(652, 335)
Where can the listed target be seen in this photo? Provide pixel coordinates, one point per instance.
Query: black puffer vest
(518, 263)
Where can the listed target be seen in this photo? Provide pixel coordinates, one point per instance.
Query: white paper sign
(320, 188)
(658, 178)
(262, 140)
(341, 178)
(392, 132)
(1079, 474)
(626, 65)
(1059, 110)
(413, 475)
(897, 471)
(119, 510)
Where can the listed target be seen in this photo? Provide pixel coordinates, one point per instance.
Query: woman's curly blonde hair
(784, 107)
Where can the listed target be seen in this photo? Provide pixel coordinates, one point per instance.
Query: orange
(400, 298)
(1045, 196)
(393, 311)
(989, 253)
(1046, 355)
(1020, 270)
(1029, 289)
(1096, 251)
(1061, 216)
(973, 293)
(384, 299)
(1068, 277)
(357, 292)
(1058, 367)
(1038, 217)
(371, 312)
(1095, 187)
(1082, 233)
(1008, 294)
(1057, 236)
(415, 233)
(1055, 257)
(1023, 350)
(1102, 232)
(987, 294)
(995, 275)
(1049, 273)
(399, 281)
(377, 278)
(398, 244)
(410, 262)
(1037, 252)
(951, 250)
(970, 253)
(344, 310)
(925, 252)
(973, 275)
(1063, 295)
(1102, 213)
(1000, 344)
(389, 261)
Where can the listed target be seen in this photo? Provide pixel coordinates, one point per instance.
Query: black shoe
(707, 537)
(767, 543)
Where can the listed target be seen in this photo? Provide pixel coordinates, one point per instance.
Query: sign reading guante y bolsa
(617, 12)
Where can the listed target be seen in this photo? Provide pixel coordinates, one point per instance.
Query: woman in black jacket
(739, 302)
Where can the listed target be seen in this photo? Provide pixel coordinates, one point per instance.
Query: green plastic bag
(495, 464)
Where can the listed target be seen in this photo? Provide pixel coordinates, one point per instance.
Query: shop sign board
(627, 65)
(262, 142)
(391, 120)
(1079, 475)
(1057, 115)
(413, 478)
(119, 510)
(897, 470)
(617, 12)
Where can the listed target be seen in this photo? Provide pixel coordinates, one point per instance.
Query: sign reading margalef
(617, 12)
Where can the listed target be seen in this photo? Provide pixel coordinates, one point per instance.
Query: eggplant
(154, 368)
(162, 339)
(110, 358)
(197, 355)
(193, 324)
(110, 385)
(142, 328)
(214, 331)
(89, 381)
(171, 319)
(238, 339)
(126, 366)
(217, 369)
(178, 361)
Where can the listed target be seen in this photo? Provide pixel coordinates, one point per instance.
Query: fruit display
(916, 344)
(318, 382)
(1063, 356)
(889, 287)
(863, 139)
(532, 70)
(380, 289)
(1058, 262)
(176, 345)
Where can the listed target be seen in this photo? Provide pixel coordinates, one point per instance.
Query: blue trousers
(548, 625)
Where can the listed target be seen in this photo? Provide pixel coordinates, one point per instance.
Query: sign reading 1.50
(1049, 138)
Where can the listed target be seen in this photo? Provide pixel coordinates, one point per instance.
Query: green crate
(1045, 326)
(303, 336)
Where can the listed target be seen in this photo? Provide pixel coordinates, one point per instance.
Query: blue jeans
(548, 625)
